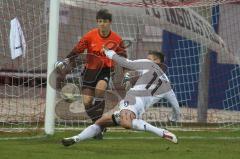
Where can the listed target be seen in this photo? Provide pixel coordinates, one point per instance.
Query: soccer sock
(138, 124)
(95, 112)
(87, 133)
(175, 112)
(100, 104)
(175, 107)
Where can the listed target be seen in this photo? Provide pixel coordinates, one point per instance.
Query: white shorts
(143, 103)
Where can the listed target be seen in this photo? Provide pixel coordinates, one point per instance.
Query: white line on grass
(22, 138)
(181, 137)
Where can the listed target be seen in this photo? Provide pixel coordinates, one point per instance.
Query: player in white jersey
(149, 88)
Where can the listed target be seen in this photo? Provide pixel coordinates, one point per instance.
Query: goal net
(200, 39)
(22, 75)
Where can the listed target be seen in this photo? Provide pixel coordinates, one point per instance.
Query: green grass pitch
(125, 145)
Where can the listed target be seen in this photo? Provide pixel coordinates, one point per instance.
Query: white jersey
(151, 86)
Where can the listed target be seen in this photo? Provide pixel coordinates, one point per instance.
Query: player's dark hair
(161, 56)
(104, 14)
(158, 54)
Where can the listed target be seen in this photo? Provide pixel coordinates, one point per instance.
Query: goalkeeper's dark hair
(104, 14)
(158, 54)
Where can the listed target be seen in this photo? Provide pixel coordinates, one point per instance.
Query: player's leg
(138, 124)
(172, 99)
(93, 109)
(107, 120)
(101, 86)
(99, 101)
(90, 131)
(95, 102)
(126, 117)
(128, 120)
(99, 104)
(88, 96)
(88, 90)
(93, 130)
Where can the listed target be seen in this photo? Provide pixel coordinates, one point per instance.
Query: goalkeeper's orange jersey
(93, 43)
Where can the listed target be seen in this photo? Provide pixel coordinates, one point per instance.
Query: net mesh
(23, 79)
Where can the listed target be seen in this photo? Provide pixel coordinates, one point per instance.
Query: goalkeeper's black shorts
(92, 76)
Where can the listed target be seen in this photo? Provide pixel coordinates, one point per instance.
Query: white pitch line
(22, 138)
(181, 137)
(211, 138)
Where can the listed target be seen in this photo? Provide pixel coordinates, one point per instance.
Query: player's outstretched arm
(141, 64)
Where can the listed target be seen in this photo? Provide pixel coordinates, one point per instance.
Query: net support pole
(203, 88)
(52, 58)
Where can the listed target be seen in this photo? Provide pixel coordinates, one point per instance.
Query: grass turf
(118, 145)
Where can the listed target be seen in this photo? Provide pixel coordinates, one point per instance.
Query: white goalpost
(199, 38)
(52, 58)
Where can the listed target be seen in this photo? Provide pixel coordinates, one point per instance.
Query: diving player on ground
(149, 88)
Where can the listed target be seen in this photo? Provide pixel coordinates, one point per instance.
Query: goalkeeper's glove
(62, 65)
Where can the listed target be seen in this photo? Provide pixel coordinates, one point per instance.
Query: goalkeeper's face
(154, 58)
(104, 26)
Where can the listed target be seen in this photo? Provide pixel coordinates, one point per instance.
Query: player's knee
(101, 87)
(105, 120)
(87, 101)
(126, 124)
(87, 104)
(126, 117)
(101, 121)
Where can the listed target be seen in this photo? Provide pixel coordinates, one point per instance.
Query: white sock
(87, 133)
(172, 99)
(138, 124)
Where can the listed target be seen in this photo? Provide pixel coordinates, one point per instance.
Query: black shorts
(92, 76)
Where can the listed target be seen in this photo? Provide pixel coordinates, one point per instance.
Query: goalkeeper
(149, 89)
(96, 74)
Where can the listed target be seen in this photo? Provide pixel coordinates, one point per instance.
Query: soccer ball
(70, 92)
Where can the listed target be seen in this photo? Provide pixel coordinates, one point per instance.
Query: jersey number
(159, 83)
